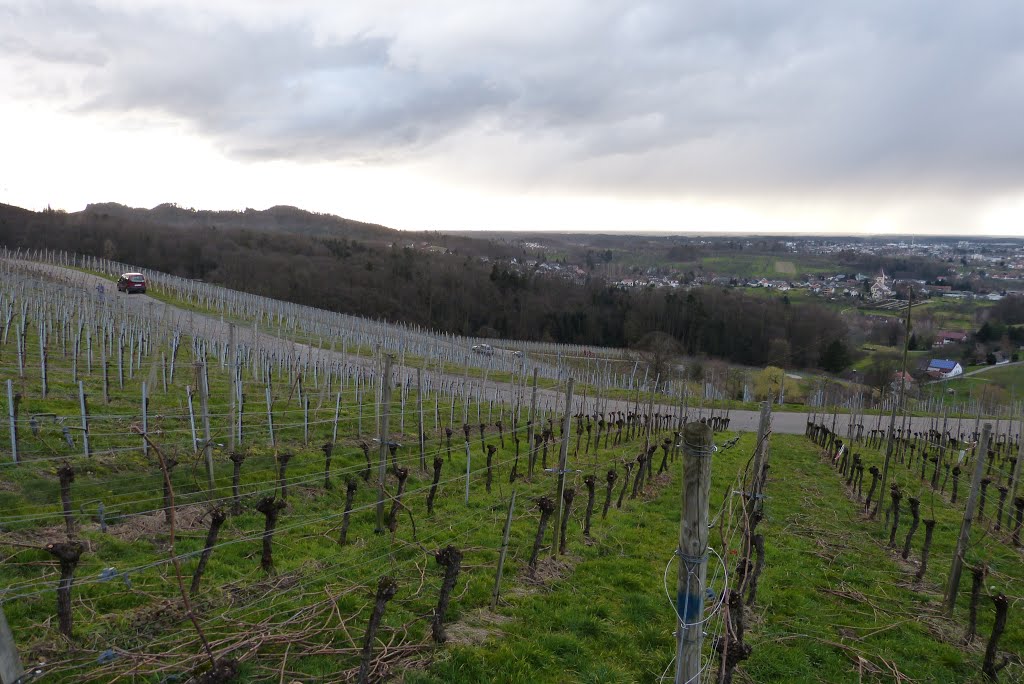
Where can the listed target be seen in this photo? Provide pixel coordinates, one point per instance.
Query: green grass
(834, 605)
(766, 265)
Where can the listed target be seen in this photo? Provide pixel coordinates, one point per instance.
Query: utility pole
(385, 380)
(698, 442)
(563, 456)
(965, 528)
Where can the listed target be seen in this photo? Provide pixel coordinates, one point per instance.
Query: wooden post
(649, 423)
(965, 528)
(204, 399)
(191, 417)
(145, 421)
(504, 550)
(305, 419)
(104, 369)
(469, 460)
(10, 664)
(85, 419)
(120, 361)
(240, 411)
(232, 390)
(42, 356)
(337, 412)
(385, 380)
(761, 451)
(529, 426)
(12, 418)
(563, 455)
(693, 546)
(419, 419)
(1015, 478)
(270, 418)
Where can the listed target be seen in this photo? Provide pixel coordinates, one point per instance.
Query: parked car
(131, 282)
(485, 349)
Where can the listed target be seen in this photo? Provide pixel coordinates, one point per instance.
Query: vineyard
(210, 486)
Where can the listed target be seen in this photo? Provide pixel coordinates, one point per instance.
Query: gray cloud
(657, 97)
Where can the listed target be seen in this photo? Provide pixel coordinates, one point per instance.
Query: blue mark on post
(690, 607)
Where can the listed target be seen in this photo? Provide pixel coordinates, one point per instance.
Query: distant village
(983, 269)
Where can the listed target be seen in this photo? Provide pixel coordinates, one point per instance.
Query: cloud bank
(778, 99)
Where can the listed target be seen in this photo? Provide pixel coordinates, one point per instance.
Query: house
(901, 379)
(944, 337)
(1001, 358)
(944, 368)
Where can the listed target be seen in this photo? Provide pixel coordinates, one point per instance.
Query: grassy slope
(835, 604)
(831, 592)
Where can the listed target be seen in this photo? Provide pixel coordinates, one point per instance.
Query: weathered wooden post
(965, 529)
(270, 417)
(85, 419)
(562, 457)
(383, 463)
(106, 373)
(504, 550)
(761, 451)
(204, 398)
(420, 437)
(232, 389)
(1015, 477)
(145, 420)
(649, 427)
(693, 545)
(529, 427)
(12, 416)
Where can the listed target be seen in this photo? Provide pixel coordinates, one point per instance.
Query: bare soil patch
(787, 267)
(152, 524)
(477, 627)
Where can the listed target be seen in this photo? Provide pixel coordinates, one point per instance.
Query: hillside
(275, 219)
(486, 289)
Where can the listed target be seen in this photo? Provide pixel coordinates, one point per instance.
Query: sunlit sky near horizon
(589, 115)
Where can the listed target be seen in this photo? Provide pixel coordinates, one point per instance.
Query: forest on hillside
(450, 290)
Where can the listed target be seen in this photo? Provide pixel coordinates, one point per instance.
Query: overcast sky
(784, 115)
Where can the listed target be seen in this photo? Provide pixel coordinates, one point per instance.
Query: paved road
(794, 423)
(209, 326)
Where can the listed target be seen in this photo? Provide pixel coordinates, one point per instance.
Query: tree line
(442, 290)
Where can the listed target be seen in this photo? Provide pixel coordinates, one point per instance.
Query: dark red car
(131, 282)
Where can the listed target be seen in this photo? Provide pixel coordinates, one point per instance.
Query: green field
(768, 265)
